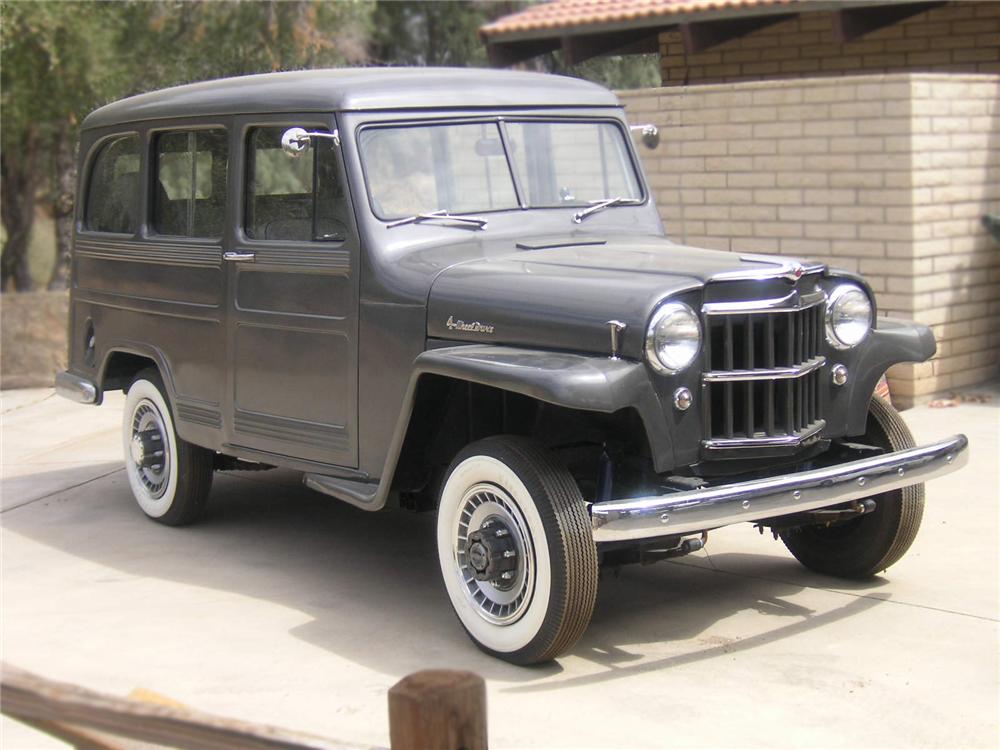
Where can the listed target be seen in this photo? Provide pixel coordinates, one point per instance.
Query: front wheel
(170, 477)
(865, 546)
(516, 551)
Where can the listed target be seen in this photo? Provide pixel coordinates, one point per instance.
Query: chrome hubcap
(149, 449)
(494, 554)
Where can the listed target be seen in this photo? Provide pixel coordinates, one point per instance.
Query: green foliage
(170, 42)
(618, 71)
(445, 32)
(56, 63)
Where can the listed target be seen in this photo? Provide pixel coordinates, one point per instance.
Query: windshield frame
(501, 120)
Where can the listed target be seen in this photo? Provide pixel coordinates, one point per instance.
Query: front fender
(575, 381)
(894, 341)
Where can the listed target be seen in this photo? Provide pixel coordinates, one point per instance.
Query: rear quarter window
(112, 203)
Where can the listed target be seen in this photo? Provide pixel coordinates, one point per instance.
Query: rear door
(292, 269)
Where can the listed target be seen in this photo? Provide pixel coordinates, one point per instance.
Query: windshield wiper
(472, 222)
(596, 206)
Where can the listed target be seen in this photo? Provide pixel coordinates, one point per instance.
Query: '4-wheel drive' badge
(461, 325)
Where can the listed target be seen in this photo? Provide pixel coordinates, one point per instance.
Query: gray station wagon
(451, 291)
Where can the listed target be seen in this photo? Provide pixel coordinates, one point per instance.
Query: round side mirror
(295, 141)
(650, 136)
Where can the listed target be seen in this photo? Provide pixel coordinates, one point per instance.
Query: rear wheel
(516, 551)
(170, 478)
(864, 546)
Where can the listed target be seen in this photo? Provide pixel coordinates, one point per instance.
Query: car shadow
(371, 586)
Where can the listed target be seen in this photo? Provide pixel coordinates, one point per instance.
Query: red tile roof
(562, 14)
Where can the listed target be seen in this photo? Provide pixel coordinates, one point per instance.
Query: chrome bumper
(699, 510)
(75, 388)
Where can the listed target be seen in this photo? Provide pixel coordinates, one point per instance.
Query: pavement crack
(62, 489)
(25, 405)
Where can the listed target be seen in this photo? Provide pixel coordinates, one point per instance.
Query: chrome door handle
(246, 257)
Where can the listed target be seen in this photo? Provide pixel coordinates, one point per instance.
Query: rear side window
(113, 193)
(293, 198)
(190, 188)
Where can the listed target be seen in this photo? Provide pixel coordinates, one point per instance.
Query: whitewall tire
(516, 551)
(169, 477)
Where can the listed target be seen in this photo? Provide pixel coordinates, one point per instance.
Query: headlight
(848, 316)
(673, 337)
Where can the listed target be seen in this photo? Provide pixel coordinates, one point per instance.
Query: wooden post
(439, 710)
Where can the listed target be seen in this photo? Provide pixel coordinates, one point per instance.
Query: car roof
(350, 89)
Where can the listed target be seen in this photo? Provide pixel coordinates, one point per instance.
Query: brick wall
(885, 175)
(957, 37)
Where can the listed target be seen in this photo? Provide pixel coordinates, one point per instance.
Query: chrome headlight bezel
(841, 297)
(673, 314)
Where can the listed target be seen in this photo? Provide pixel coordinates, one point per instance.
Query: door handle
(238, 257)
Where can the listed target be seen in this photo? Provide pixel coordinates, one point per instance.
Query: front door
(293, 300)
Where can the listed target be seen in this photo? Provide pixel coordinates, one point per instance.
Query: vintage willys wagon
(450, 290)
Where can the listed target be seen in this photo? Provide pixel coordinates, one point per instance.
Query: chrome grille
(763, 368)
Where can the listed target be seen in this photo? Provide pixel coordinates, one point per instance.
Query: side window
(112, 203)
(189, 198)
(293, 198)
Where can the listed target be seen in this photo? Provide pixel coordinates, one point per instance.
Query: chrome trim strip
(787, 303)
(698, 510)
(75, 388)
(768, 441)
(773, 269)
(778, 373)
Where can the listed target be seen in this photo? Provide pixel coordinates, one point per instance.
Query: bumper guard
(709, 508)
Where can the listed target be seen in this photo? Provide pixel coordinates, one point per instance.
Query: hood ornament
(794, 273)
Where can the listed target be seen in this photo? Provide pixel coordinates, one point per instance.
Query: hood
(562, 295)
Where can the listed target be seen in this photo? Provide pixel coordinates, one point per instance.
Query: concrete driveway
(288, 608)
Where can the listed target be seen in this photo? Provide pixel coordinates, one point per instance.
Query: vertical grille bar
(769, 356)
(728, 352)
(748, 342)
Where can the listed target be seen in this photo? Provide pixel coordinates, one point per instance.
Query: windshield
(464, 168)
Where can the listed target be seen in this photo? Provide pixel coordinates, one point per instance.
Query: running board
(358, 494)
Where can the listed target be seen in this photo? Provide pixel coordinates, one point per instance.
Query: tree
(168, 43)
(445, 32)
(55, 61)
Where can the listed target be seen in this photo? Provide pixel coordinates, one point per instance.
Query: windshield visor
(467, 168)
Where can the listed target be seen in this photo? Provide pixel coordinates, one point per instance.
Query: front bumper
(75, 388)
(703, 509)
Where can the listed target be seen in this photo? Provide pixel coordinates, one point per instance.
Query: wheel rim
(490, 526)
(149, 449)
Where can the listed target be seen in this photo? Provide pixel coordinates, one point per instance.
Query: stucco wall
(958, 37)
(885, 175)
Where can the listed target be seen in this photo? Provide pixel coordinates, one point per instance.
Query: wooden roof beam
(699, 36)
(853, 23)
